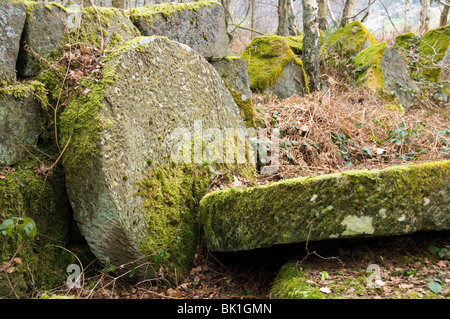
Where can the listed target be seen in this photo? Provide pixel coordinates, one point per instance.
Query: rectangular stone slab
(394, 201)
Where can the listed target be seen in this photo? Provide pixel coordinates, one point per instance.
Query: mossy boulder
(38, 263)
(393, 201)
(273, 67)
(133, 203)
(21, 120)
(432, 49)
(233, 71)
(43, 34)
(107, 26)
(199, 24)
(347, 41)
(382, 69)
(12, 21)
(405, 42)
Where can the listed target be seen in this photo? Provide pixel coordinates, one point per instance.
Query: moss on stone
(245, 108)
(284, 212)
(23, 193)
(266, 56)
(146, 13)
(369, 59)
(432, 48)
(406, 41)
(347, 41)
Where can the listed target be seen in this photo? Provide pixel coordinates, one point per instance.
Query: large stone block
(199, 24)
(395, 201)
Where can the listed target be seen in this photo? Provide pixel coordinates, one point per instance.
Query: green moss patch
(432, 49)
(347, 41)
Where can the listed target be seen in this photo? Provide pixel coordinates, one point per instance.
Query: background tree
(323, 14)
(443, 21)
(424, 16)
(311, 38)
(349, 12)
(286, 18)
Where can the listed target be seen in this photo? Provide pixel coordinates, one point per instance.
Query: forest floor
(340, 128)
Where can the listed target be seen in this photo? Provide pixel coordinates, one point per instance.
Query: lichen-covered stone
(199, 24)
(347, 41)
(432, 48)
(393, 201)
(382, 69)
(12, 20)
(43, 33)
(40, 265)
(273, 66)
(20, 120)
(133, 204)
(233, 71)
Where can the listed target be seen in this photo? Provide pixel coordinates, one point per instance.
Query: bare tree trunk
(349, 11)
(323, 14)
(407, 6)
(424, 16)
(117, 4)
(444, 16)
(286, 18)
(252, 24)
(331, 12)
(311, 38)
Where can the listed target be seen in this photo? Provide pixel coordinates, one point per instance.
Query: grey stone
(158, 86)
(12, 20)
(291, 82)
(198, 25)
(19, 123)
(43, 34)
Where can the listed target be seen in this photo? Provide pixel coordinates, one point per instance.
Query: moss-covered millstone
(12, 21)
(382, 69)
(43, 34)
(347, 41)
(199, 24)
(21, 120)
(107, 26)
(394, 201)
(233, 71)
(132, 203)
(272, 66)
(432, 49)
(39, 264)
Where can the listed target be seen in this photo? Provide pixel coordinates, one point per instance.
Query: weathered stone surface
(432, 48)
(20, 117)
(43, 34)
(445, 72)
(107, 26)
(200, 25)
(273, 66)
(394, 201)
(132, 202)
(12, 20)
(233, 71)
(383, 69)
(348, 40)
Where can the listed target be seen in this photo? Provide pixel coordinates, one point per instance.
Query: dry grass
(326, 131)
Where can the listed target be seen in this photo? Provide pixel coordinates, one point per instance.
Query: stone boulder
(432, 49)
(20, 120)
(382, 69)
(394, 201)
(43, 33)
(347, 41)
(12, 21)
(200, 25)
(133, 198)
(273, 67)
(233, 71)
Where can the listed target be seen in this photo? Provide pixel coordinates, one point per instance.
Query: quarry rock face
(12, 20)
(200, 25)
(43, 34)
(133, 202)
(20, 117)
(394, 201)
